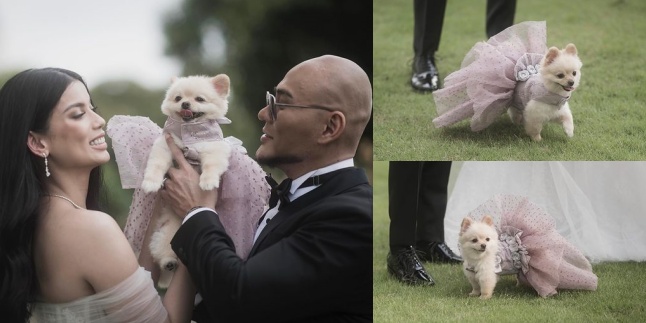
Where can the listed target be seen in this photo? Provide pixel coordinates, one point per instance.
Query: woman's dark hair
(26, 104)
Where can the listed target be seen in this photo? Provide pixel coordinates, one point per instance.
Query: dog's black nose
(483, 246)
(186, 105)
(570, 83)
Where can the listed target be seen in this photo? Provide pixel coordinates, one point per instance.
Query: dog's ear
(488, 220)
(570, 49)
(466, 223)
(221, 83)
(551, 55)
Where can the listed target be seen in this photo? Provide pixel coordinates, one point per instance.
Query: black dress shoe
(404, 265)
(437, 252)
(425, 75)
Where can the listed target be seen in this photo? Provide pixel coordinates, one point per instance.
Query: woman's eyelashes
(81, 112)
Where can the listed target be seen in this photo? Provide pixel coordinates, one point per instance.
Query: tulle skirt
(552, 262)
(483, 88)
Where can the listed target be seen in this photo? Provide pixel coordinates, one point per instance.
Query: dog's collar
(194, 132)
(554, 99)
(471, 269)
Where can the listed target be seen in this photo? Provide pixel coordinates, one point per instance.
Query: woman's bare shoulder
(108, 257)
(75, 224)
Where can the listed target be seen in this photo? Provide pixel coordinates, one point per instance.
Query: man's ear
(334, 128)
(37, 144)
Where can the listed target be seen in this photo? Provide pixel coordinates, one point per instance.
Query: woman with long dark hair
(61, 259)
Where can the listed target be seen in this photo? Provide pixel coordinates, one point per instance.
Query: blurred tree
(257, 42)
(128, 98)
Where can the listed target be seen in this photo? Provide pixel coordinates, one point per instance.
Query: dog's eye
(574, 73)
(199, 99)
(560, 75)
(474, 240)
(178, 98)
(487, 239)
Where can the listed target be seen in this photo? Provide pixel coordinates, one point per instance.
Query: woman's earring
(46, 167)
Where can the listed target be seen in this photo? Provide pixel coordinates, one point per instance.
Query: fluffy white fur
(202, 94)
(198, 94)
(561, 73)
(479, 244)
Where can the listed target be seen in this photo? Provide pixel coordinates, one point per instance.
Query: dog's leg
(534, 130)
(565, 117)
(159, 161)
(475, 285)
(534, 118)
(488, 282)
(515, 115)
(214, 160)
(160, 249)
(164, 279)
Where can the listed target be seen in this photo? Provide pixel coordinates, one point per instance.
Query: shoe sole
(422, 90)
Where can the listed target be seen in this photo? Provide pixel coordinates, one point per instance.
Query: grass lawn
(619, 297)
(609, 107)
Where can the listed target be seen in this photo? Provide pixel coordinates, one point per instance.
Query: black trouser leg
(500, 15)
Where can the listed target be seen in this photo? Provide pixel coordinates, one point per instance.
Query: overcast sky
(99, 39)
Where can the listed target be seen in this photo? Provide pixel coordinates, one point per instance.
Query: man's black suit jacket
(312, 262)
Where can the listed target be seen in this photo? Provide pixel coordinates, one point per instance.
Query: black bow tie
(278, 191)
(281, 191)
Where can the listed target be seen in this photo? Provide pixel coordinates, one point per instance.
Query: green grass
(619, 298)
(608, 108)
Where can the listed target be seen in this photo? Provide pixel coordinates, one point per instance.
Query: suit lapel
(339, 183)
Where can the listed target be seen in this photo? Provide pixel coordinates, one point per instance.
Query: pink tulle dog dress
(495, 75)
(531, 246)
(243, 191)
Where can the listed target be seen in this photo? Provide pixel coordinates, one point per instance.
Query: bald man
(312, 254)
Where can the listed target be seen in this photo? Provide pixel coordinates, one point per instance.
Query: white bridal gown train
(600, 207)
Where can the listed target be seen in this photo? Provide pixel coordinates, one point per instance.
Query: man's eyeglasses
(272, 104)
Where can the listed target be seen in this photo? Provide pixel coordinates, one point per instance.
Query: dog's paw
(474, 293)
(485, 296)
(209, 182)
(168, 264)
(569, 133)
(537, 138)
(149, 186)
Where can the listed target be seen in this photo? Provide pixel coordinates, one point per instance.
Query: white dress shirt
(295, 192)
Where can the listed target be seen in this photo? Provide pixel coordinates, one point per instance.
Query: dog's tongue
(186, 113)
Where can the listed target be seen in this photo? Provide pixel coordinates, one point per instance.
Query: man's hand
(182, 190)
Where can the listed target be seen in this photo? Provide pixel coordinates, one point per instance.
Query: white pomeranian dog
(194, 102)
(194, 105)
(545, 99)
(479, 245)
